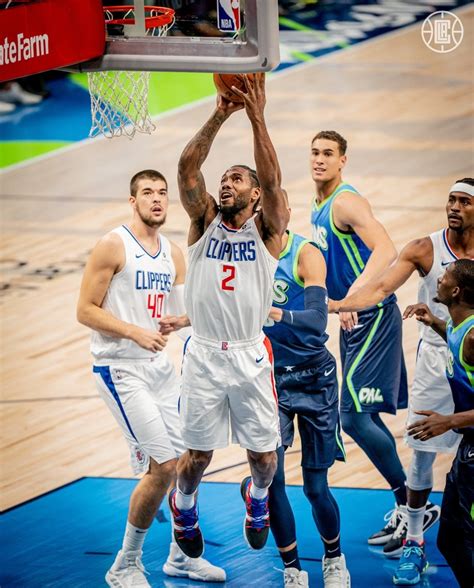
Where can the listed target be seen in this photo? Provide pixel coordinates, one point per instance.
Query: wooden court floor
(407, 114)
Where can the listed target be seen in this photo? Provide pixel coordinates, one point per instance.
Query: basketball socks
(256, 492)
(332, 548)
(415, 524)
(184, 501)
(290, 558)
(400, 494)
(133, 538)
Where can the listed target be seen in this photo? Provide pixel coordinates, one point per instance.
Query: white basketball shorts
(143, 396)
(229, 386)
(431, 391)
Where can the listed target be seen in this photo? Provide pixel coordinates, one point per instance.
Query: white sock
(415, 523)
(184, 501)
(256, 492)
(133, 538)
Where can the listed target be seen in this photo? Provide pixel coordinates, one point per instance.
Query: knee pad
(420, 472)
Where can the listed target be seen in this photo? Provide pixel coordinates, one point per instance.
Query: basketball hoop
(119, 99)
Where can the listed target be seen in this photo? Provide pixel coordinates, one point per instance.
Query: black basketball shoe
(257, 518)
(186, 529)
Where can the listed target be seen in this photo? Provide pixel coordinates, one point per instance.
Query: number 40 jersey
(137, 295)
(228, 291)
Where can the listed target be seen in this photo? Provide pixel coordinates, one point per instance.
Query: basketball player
(356, 248)
(456, 529)
(133, 273)
(429, 256)
(227, 367)
(306, 383)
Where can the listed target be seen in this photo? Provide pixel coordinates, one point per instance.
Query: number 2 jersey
(137, 295)
(228, 290)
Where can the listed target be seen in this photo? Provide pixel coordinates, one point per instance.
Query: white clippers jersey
(442, 257)
(228, 291)
(136, 295)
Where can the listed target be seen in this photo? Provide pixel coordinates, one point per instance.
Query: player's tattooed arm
(273, 199)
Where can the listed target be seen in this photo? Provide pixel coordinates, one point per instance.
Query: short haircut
(463, 272)
(469, 181)
(146, 174)
(332, 136)
(252, 173)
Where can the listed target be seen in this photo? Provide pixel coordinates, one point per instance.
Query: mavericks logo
(450, 364)
(280, 287)
(320, 237)
(370, 395)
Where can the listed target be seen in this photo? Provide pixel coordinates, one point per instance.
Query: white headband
(462, 187)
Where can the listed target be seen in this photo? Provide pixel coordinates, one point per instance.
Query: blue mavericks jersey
(291, 346)
(344, 252)
(460, 374)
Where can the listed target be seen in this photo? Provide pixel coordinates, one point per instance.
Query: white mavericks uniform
(140, 387)
(430, 389)
(228, 364)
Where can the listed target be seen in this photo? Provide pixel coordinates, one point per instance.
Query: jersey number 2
(230, 270)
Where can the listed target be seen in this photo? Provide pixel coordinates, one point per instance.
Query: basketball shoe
(393, 518)
(294, 577)
(182, 566)
(335, 572)
(411, 565)
(127, 571)
(186, 529)
(394, 547)
(257, 518)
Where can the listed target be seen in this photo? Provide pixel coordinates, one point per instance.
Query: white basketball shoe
(127, 571)
(294, 577)
(180, 565)
(335, 572)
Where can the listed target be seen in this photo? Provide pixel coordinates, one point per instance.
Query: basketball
(224, 83)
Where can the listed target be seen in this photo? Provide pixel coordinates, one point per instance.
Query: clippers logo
(228, 19)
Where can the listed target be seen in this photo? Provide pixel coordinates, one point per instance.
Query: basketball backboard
(205, 35)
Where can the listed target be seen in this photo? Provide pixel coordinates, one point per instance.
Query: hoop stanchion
(119, 99)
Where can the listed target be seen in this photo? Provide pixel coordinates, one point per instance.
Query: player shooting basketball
(227, 367)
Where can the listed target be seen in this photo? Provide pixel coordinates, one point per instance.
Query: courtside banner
(39, 35)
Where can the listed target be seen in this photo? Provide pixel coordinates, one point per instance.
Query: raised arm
(106, 259)
(273, 201)
(416, 256)
(198, 203)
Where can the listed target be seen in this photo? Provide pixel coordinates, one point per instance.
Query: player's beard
(149, 221)
(229, 212)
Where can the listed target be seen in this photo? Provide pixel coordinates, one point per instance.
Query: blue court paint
(69, 537)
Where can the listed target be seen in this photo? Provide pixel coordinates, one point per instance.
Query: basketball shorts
(374, 377)
(310, 393)
(457, 509)
(143, 396)
(229, 386)
(431, 391)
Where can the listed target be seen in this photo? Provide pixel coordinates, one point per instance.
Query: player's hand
(348, 320)
(171, 323)
(275, 314)
(435, 424)
(227, 106)
(421, 312)
(254, 96)
(149, 340)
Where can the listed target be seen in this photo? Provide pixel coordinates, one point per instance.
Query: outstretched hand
(421, 312)
(435, 424)
(254, 96)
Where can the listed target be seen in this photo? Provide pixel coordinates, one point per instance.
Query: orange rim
(163, 17)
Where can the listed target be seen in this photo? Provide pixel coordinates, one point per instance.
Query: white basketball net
(119, 99)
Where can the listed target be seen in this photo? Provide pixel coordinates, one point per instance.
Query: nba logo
(228, 15)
